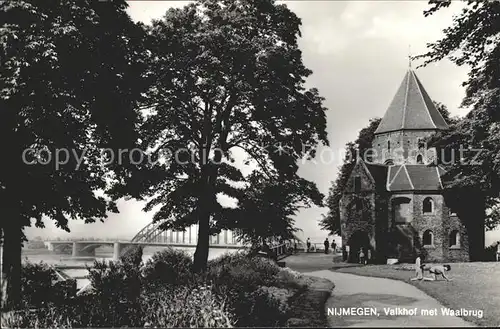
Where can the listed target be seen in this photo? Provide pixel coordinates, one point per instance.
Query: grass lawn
(474, 286)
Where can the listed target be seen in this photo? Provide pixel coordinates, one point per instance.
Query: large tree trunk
(474, 215)
(202, 246)
(204, 211)
(470, 207)
(209, 175)
(3, 287)
(11, 266)
(475, 233)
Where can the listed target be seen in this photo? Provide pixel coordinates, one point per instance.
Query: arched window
(401, 210)
(420, 159)
(428, 206)
(428, 238)
(368, 156)
(389, 146)
(455, 238)
(389, 162)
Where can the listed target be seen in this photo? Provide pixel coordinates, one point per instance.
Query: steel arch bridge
(148, 233)
(152, 233)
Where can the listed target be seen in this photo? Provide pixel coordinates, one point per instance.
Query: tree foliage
(226, 75)
(267, 207)
(472, 177)
(71, 74)
(445, 113)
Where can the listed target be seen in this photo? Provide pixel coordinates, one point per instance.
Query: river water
(104, 253)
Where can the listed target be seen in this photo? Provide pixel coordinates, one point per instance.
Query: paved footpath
(361, 291)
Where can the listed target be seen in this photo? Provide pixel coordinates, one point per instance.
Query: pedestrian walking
(361, 256)
(418, 269)
(327, 245)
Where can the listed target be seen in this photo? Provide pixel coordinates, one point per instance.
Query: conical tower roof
(411, 109)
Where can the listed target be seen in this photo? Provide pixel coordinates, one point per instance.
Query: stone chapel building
(393, 202)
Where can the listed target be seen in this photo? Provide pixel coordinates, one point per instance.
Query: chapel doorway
(358, 240)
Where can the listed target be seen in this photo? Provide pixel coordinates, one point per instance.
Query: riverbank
(104, 253)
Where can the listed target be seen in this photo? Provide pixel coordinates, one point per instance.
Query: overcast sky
(358, 51)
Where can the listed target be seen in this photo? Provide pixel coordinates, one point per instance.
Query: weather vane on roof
(409, 56)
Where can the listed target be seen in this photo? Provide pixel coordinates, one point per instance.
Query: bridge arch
(61, 247)
(152, 233)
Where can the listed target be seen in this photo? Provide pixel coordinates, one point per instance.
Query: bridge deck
(148, 244)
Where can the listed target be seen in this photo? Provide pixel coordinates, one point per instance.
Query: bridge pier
(79, 251)
(117, 250)
(49, 246)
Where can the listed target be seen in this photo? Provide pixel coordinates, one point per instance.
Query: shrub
(39, 318)
(242, 271)
(257, 290)
(186, 307)
(228, 258)
(63, 291)
(115, 299)
(267, 268)
(288, 278)
(249, 292)
(270, 307)
(116, 289)
(490, 253)
(133, 256)
(36, 284)
(169, 267)
(262, 307)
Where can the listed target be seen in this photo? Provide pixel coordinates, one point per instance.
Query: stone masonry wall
(380, 145)
(441, 224)
(404, 145)
(381, 228)
(430, 221)
(358, 220)
(363, 220)
(460, 254)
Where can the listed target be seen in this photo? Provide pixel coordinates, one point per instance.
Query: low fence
(281, 251)
(319, 247)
